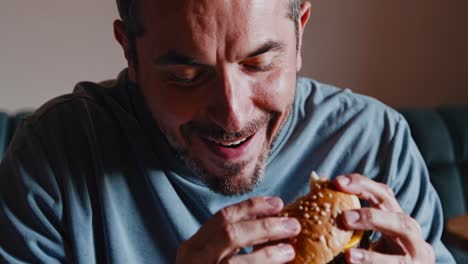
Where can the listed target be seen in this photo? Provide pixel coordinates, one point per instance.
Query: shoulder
(335, 108)
(86, 97)
(90, 108)
(92, 113)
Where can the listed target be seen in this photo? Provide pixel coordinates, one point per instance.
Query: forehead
(213, 24)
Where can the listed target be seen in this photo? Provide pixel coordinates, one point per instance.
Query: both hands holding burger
(313, 229)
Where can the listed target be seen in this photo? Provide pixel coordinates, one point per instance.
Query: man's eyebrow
(266, 47)
(174, 58)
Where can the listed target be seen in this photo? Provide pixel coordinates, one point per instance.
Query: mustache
(215, 132)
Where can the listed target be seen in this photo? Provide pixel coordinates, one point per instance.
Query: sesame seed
(320, 195)
(300, 207)
(314, 197)
(306, 215)
(323, 213)
(330, 195)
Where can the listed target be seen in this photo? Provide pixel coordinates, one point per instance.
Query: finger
(251, 233)
(353, 256)
(399, 227)
(255, 232)
(378, 194)
(249, 209)
(280, 253)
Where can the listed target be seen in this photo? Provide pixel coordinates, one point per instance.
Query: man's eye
(181, 78)
(184, 76)
(259, 68)
(258, 64)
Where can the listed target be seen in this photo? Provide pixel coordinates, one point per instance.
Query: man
(190, 154)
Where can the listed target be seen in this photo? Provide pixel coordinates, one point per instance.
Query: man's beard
(227, 183)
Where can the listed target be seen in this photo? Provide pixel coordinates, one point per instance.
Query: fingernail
(356, 256)
(352, 216)
(343, 180)
(290, 224)
(274, 202)
(286, 250)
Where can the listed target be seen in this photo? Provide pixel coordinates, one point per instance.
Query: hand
(245, 224)
(401, 241)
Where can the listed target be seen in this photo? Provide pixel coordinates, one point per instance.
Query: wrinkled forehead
(206, 22)
(214, 8)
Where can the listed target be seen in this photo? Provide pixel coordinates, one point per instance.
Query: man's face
(219, 78)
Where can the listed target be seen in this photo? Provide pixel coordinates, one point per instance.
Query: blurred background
(405, 53)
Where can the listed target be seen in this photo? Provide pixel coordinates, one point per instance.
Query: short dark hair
(128, 11)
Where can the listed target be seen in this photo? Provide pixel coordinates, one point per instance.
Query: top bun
(321, 240)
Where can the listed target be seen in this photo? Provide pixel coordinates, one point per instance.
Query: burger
(321, 239)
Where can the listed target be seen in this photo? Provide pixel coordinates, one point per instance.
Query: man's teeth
(229, 144)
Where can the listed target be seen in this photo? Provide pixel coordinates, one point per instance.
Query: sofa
(8, 125)
(440, 133)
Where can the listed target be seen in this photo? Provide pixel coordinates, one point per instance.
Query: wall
(405, 53)
(48, 45)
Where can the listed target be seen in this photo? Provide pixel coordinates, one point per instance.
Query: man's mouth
(229, 144)
(223, 146)
(230, 149)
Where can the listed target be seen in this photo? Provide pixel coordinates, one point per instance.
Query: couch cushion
(8, 125)
(456, 119)
(442, 138)
(431, 135)
(4, 133)
(434, 135)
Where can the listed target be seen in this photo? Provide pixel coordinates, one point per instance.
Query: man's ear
(120, 34)
(303, 19)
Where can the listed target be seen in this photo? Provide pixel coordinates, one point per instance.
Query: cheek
(276, 92)
(169, 107)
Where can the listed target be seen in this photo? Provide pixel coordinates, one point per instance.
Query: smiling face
(219, 78)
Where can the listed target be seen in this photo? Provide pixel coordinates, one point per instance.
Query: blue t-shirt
(88, 178)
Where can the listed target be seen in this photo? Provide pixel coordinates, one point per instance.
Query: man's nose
(231, 105)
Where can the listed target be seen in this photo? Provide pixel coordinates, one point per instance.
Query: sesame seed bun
(321, 239)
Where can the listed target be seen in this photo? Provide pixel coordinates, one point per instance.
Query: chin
(235, 179)
(239, 185)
